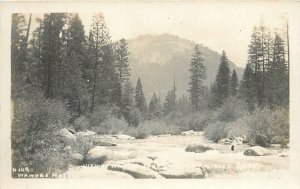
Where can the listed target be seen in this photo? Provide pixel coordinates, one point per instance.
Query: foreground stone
(67, 137)
(197, 148)
(183, 174)
(96, 173)
(98, 155)
(257, 151)
(135, 170)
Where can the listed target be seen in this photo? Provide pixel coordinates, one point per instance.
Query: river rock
(177, 173)
(135, 170)
(98, 155)
(96, 173)
(198, 148)
(257, 151)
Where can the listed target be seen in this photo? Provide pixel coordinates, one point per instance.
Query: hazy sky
(219, 26)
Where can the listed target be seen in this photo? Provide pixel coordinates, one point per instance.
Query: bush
(101, 113)
(107, 120)
(269, 126)
(111, 126)
(82, 146)
(34, 137)
(152, 128)
(198, 121)
(238, 128)
(216, 131)
(261, 127)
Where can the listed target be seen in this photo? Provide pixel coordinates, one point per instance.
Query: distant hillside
(155, 59)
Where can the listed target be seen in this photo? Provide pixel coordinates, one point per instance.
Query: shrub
(268, 126)
(34, 127)
(110, 126)
(216, 131)
(137, 132)
(261, 127)
(198, 121)
(82, 145)
(100, 114)
(238, 128)
(152, 128)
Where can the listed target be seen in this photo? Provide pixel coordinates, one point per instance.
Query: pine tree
(36, 65)
(121, 58)
(18, 50)
(247, 87)
(140, 101)
(154, 107)
(74, 86)
(279, 75)
(76, 41)
(257, 57)
(104, 82)
(183, 105)
(222, 83)
(127, 100)
(51, 52)
(170, 101)
(198, 75)
(233, 83)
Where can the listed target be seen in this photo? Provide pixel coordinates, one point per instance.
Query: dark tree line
(266, 77)
(265, 81)
(66, 64)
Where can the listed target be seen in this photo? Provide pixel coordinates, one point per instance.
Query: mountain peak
(155, 58)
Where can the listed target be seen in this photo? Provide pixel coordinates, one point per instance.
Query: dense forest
(64, 77)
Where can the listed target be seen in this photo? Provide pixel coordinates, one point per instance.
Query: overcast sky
(219, 26)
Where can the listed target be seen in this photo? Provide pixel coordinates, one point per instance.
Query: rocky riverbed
(167, 156)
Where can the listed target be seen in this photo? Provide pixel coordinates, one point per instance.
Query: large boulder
(100, 142)
(177, 173)
(96, 172)
(198, 148)
(98, 155)
(135, 170)
(257, 151)
(143, 161)
(67, 137)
